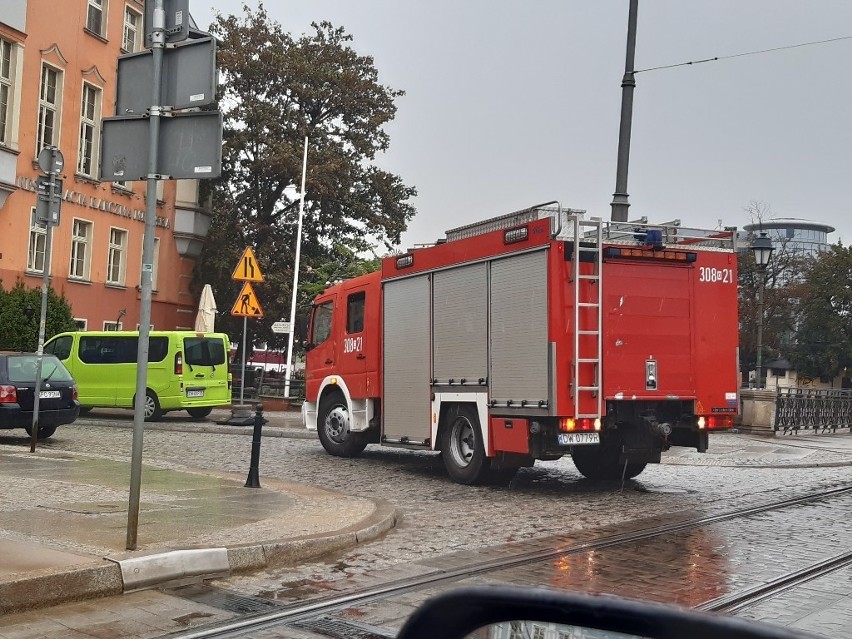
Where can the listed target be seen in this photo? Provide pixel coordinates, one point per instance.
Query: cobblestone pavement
(441, 519)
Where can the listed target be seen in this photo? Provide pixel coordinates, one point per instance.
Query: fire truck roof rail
(638, 231)
(536, 212)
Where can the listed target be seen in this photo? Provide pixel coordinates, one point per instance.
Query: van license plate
(573, 439)
(49, 394)
(195, 393)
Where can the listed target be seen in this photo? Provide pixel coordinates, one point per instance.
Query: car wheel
(43, 431)
(333, 428)
(461, 446)
(151, 409)
(199, 413)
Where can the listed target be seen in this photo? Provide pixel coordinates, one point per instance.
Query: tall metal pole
(243, 370)
(158, 40)
(760, 327)
(296, 274)
(620, 202)
(45, 283)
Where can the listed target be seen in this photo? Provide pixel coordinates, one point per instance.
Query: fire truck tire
(462, 448)
(601, 463)
(333, 428)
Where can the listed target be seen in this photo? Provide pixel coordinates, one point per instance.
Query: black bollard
(253, 480)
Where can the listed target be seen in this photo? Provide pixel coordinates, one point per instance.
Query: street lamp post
(762, 249)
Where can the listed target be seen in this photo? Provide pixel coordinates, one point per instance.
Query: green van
(186, 370)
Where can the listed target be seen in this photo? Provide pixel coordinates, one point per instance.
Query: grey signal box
(177, 20)
(190, 147)
(188, 77)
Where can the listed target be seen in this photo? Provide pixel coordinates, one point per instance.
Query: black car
(57, 402)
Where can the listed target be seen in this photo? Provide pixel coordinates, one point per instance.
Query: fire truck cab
(531, 336)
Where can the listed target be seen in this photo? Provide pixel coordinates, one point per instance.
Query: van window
(120, 350)
(355, 313)
(61, 347)
(321, 327)
(203, 351)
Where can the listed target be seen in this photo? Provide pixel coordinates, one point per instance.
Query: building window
(117, 258)
(81, 324)
(112, 326)
(81, 250)
(89, 117)
(48, 107)
(38, 242)
(95, 17)
(132, 33)
(7, 84)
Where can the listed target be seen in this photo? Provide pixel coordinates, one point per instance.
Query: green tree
(824, 331)
(277, 90)
(782, 281)
(20, 314)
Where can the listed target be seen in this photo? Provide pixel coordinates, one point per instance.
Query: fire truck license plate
(195, 393)
(572, 439)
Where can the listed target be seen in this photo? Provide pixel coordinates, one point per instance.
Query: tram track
(267, 614)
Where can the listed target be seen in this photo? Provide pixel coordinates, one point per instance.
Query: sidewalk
(63, 518)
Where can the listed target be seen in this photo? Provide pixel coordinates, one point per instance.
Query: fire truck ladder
(588, 242)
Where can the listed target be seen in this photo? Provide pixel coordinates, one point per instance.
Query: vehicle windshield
(22, 368)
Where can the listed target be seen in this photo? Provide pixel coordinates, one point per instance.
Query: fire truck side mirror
(309, 346)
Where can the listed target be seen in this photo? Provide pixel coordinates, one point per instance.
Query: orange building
(58, 65)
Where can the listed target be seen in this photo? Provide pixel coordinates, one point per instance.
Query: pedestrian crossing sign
(247, 304)
(247, 269)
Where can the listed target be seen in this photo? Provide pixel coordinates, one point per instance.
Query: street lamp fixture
(762, 249)
(121, 314)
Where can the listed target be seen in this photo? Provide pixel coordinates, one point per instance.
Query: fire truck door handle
(328, 361)
(361, 356)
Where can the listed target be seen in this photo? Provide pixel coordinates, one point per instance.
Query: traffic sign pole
(50, 160)
(158, 44)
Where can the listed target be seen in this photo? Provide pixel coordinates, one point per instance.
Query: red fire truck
(531, 336)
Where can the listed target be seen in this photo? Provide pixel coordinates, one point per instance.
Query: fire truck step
(588, 360)
(588, 304)
(588, 388)
(589, 277)
(588, 332)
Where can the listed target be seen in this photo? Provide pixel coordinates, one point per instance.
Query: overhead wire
(747, 53)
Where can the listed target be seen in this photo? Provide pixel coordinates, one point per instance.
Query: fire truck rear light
(515, 235)
(567, 424)
(8, 394)
(597, 423)
(404, 261)
(701, 422)
(719, 422)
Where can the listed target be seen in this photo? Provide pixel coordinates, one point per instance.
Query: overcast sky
(512, 103)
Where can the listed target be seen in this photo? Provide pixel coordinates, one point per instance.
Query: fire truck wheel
(601, 463)
(461, 446)
(333, 428)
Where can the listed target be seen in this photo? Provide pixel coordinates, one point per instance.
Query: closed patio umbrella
(205, 320)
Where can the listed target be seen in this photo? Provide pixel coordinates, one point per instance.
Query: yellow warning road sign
(247, 270)
(247, 304)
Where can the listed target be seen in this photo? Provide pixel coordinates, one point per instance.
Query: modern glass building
(797, 235)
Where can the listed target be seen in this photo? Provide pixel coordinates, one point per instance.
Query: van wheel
(199, 413)
(461, 446)
(333, 428)
(43, 431)
(152, 410)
